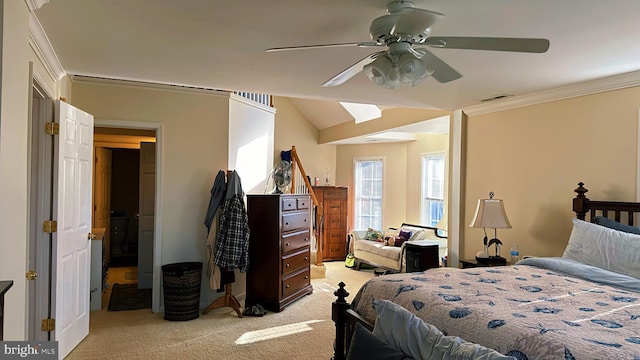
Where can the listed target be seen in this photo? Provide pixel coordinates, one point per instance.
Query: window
(368, 194)
(432, 189)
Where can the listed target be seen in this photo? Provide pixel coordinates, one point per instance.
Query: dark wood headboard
(617, 210)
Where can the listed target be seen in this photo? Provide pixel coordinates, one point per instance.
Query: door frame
(157, 236)
(40, 187)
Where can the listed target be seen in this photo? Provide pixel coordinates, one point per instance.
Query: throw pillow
(399, 241)
(605, 248)
(366, 346)
(405, 234)
(373, 234)
(612, 224)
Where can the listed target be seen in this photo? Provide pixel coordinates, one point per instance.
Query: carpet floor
(129, 297)
(304, 330)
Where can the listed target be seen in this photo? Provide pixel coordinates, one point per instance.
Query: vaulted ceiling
(221, 45)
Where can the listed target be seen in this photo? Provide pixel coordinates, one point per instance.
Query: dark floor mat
(129, 297)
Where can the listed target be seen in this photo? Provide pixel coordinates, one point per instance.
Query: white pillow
(403, 330)
(605, 248)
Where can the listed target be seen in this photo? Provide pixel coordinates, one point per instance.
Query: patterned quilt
(541, 308)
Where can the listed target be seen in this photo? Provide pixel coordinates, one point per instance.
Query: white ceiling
(220, 45)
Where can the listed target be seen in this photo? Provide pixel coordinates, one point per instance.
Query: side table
(4, 286)
(421, 255)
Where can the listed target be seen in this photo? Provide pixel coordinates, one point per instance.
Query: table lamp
(490, 214)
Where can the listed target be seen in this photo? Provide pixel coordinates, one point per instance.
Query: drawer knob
(306, 239)
(287, 244)
(305, 220)
(306, 276)
(286, 223)
(287, 265)
(287, 286)
(306, 258)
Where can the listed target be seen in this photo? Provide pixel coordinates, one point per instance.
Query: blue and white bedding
(540, 308)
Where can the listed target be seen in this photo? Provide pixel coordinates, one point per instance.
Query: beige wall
(194, 145)
(402, 169)
(14, 152)
(292, 128)
(533, 157)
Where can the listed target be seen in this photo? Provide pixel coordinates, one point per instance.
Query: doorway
(117, 205)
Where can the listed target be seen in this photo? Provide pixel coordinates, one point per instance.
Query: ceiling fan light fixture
(382, 71)
(411, 69)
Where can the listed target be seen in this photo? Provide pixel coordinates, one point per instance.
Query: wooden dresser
(279, 257)
(333, 235)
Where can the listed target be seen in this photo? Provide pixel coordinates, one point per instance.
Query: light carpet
(303, 330)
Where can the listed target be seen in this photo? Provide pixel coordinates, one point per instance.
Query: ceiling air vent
(495, 98)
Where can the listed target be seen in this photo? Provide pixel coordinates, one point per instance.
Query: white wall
(251, 131)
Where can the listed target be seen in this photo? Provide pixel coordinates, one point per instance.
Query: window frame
(423, 181)
(356, 160)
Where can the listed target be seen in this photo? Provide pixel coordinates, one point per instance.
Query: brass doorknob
(31, 275)
(91, 236)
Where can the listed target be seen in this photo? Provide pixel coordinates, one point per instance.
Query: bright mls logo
(28, 350)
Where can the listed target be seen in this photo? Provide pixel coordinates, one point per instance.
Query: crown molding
(146, 84)
(40, 44)
(34, 5)
(615, 82)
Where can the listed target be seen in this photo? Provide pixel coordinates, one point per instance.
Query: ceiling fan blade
(441, 70)
(352, 70)
(531, 45)
(317, 46)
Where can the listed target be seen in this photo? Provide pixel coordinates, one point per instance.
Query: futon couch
(387, 249)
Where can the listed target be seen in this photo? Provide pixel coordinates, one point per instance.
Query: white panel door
(146, 214)
(72, 168)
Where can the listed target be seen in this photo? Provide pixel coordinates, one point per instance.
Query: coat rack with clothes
(228, 247)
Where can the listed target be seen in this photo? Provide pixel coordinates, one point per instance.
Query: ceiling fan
(399, 30)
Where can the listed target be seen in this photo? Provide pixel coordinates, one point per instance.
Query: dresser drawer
(335, 208)
(302, 203)
(335, 251)
(337, 193)
(294, 262)
(294, 221)
(288, 203)
(336, 222)
(294, 283)
(295, 241)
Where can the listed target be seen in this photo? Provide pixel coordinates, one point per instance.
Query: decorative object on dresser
(332, 238)
(279, 253)
(490, 214)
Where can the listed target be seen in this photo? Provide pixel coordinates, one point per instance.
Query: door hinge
(50, 226)
(31, 275)
(52, 128)
(48, 324)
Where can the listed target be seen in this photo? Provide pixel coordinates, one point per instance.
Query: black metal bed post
(338, 311)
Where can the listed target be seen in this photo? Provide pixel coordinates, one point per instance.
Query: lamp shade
(490, 214)
(383, 72)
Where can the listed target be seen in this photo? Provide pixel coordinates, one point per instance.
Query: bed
(583, 305)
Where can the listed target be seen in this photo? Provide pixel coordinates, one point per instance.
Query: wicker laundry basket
(181, 284)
